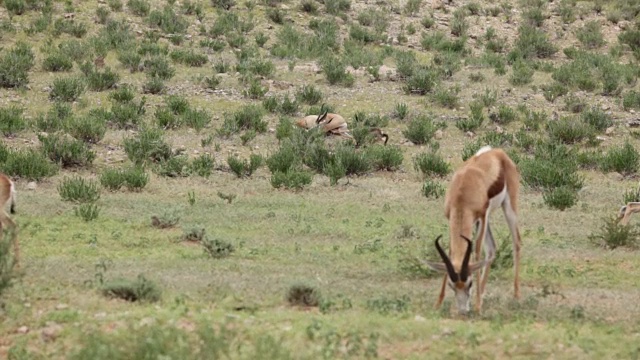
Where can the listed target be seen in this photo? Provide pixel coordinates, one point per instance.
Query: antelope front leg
(490, 254)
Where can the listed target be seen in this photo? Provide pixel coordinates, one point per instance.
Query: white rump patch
(483, 149)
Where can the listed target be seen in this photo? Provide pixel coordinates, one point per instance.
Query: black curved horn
(322, 117)
(447, 262)
(464, 271)
(386, 138)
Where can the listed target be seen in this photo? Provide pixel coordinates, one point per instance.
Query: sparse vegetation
(130, 126)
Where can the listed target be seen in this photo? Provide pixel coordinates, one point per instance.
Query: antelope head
(459, 282)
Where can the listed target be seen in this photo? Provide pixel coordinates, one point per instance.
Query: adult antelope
(8, 195)
(332, 124)
(486, 181)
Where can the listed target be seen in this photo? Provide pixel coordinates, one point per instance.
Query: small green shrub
(301, 294)
(12, 120)
(420, 129)
(432, 189)
(139, 7)
(631, 100)
(245, 168)
(67, 89)
(15, 65)
(217, 248)
(291, 179)
(596, 118)
(78, 189)
(203, 165)
(174, 166)
(613, 235)
(569, 130)
(421, 81)
(135, 178)
(28, 164)
(309, 95)
(401, 110)
(89, 128)
(354, 162)
(335, 71)
(623, 159)
(475, 119)
(102, 80)
(590, 35)
(126, 115)
(67, 152)
(505, 115)
(560, 198)
(522, 73)
(147, 146)
(57, 61)
(431, 164)
(87, 211)
(140, 289)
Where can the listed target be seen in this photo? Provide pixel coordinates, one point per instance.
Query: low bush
(431, 164)
(66, 152)
(78, 189)
(420, 129)
(140, 289)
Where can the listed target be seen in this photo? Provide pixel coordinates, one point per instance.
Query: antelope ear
(477, 266)
(436, 266)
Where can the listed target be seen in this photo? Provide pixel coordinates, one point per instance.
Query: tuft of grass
(245, 168)
(67, 89)
(432, 189)
(613, 235)
(623, 159)
(78, 189)
(431, 164)
(420, 129)
(560, 198)
(301, 294)
(12, 120)
(141, 289)
(216, 248)
(66, 152)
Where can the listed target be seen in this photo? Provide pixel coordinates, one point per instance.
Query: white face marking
(483, 149)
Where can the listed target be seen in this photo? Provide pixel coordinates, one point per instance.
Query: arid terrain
(169, 208)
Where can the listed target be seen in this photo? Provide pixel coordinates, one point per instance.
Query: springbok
(485, 181)
(332, 124)
(8, 194)
(377, 135)
(626, 211)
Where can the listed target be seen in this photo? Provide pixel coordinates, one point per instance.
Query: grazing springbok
(484, 182)
(8, 194)
(626, 211)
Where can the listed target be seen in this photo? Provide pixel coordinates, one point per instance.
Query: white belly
(496, 201)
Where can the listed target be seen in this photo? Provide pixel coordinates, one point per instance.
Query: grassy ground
(352, 242)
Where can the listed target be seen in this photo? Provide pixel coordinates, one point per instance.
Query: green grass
(355, 239)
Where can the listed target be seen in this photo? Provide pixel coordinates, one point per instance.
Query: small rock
(601, 138)
(419, 318)
(438, 134)
(499, 130)
(196, 152)
(605, 107)
(51, 332)
(23, 330)
(61, 306)
(447, 332)
(272, 130)
(100, 315)
(32, 185)
(609, 130)
(470, 134)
